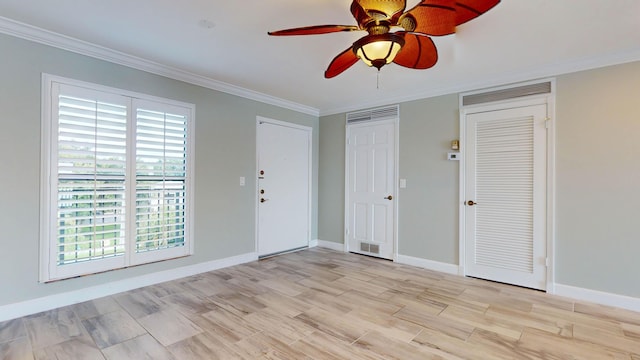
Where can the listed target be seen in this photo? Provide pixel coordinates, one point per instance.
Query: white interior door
(283, 187)
(505, 188)
(371, 189)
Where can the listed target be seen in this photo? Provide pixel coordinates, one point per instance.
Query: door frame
(396, 127)
(542, 99)
(256, 190)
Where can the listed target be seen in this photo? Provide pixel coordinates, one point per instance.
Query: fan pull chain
(378, 80)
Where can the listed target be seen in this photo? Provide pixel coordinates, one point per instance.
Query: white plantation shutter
(117, 187)
(161, 179)
(504, 189)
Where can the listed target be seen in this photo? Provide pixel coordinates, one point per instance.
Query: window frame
(49, 269)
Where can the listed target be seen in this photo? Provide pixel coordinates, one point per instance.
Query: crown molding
(45, 37)
(532, 73)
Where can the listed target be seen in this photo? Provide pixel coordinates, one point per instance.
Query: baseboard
(599, 297)
(313, 243)
(428, 264)
(331, 245)
(29, 307)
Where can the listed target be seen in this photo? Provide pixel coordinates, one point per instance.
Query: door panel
(506, 181)
(371, 179)
(283, 188)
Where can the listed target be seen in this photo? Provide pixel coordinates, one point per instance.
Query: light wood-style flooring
(322, 304)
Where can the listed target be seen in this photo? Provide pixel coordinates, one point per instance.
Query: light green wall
(331, 181)
(598, 179)
(428, 207)
(225, 150)
(597, 173)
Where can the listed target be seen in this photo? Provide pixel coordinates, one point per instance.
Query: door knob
(471, 203)
(389, 197)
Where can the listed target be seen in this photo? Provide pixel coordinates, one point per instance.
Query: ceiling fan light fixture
(378, 50)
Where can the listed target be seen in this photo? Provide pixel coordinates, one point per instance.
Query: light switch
(242, 181)
(403, 183)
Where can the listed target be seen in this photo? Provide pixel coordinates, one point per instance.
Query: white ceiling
(517, 40)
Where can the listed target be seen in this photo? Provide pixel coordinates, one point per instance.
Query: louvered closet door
(505, 230)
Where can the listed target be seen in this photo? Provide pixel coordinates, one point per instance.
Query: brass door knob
(389, 197)
(471, 203)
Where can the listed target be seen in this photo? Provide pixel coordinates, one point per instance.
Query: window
(116, 179)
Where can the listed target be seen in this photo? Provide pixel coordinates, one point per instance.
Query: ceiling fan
(409, 47)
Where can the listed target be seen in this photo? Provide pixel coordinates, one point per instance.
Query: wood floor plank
(16, 349)
(551, 346)
(202, 346)
(446, 326)
(143, 347)
(321, 346)
(181, 327)
(93, 308)
(227, 324)
(76, 349)
(287, 330)
(12, 329)
(140, 303)
(392, 349)
(53, 327)
(606, 338)
(320, 304)
(113, 328)
(608, 312)
(478, 320)
(453, 346)
(333, 324)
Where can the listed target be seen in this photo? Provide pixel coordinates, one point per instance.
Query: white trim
(535, 72)
(428, 264)
(599, 297)
(41, 36)
(462, 185)
(45, 37)
(16, 310)
(313, 243)
(332, 245)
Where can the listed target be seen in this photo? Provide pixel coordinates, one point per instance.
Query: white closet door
(505, 211)
(283, 187)
(371, 185)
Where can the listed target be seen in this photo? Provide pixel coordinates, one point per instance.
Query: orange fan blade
(470, 9)
(314, 30)
(418, 52)
(431, 17)
(359, 13)
(341, 63)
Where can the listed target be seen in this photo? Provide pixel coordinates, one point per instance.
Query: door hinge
(547, 123)
(547, 262)
(346, 231)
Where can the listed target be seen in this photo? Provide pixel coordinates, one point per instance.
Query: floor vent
(384, 113)
(370, 248)
(506, 94)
